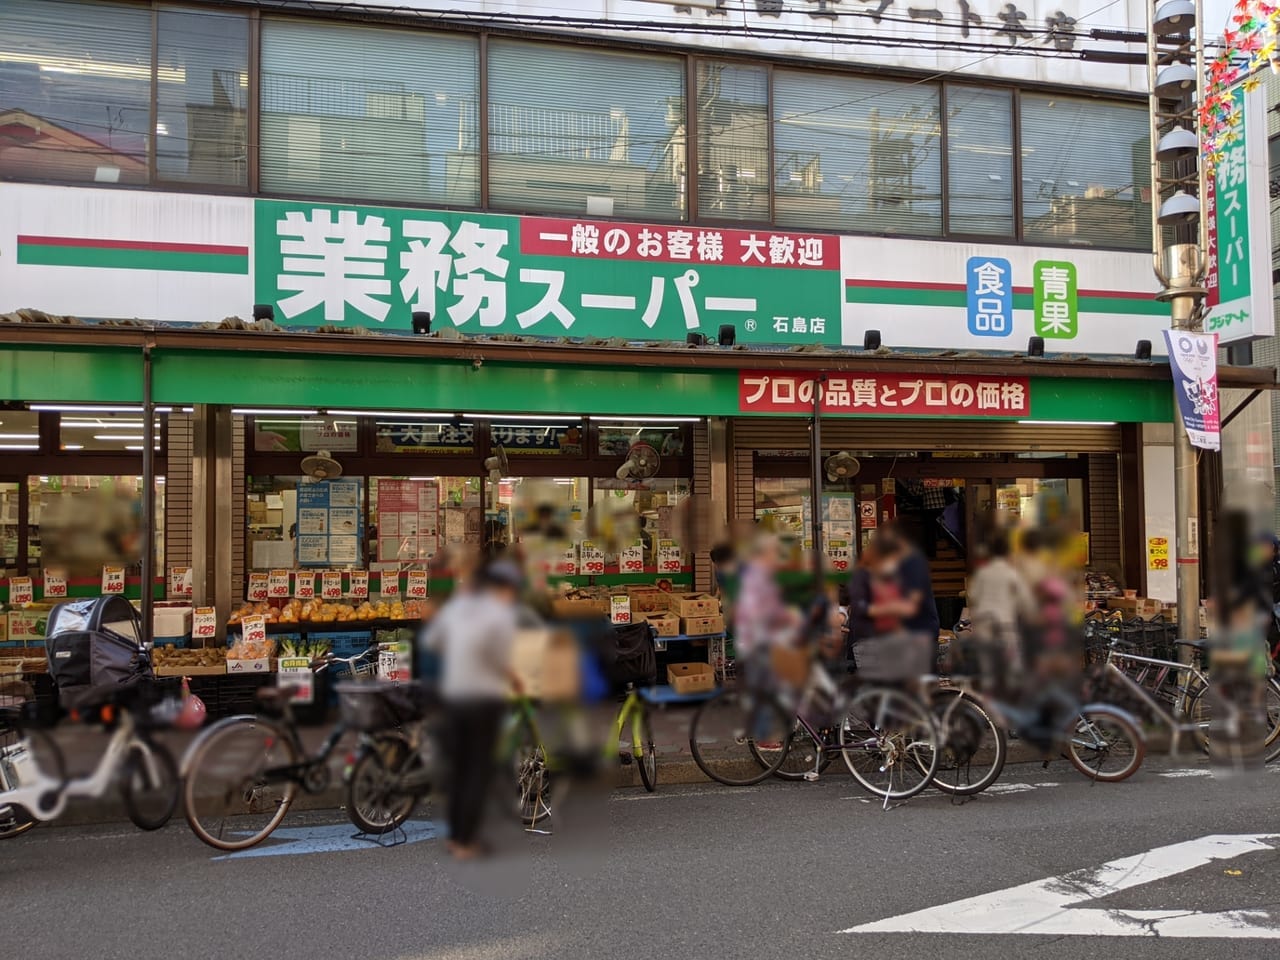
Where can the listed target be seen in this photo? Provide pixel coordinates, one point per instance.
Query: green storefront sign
(1054, 300)
(374, 266)
(250, 379)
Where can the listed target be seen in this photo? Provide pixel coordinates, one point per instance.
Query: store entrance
(946, 503)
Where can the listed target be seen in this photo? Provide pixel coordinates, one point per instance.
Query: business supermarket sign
(197, 259)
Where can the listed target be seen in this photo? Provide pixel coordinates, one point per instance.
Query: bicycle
(538, 771)
(1177, 694)
(34, 786)
(888, 740)
(1090, 735)
(241, 775)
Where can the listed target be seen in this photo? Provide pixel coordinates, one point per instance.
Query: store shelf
(684, 637)
(337, 626)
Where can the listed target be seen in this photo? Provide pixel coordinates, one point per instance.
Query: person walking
(762, 619)
(473, 634)
(1001, 606)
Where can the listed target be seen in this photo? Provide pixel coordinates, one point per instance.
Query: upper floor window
(584, 131)
(1086, 172)
(379, 113)
(855, 154)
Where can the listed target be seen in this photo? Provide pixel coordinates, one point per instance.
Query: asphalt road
(778, 870)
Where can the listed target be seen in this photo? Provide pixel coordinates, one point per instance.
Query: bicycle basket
(633, 659)
(370, 707)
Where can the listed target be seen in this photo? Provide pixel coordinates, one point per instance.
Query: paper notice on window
(417, 586)
(55, 583)
(304, 585)
(257, 587)
(331, 585)
(313, 520)
(180, 582)
(344, 521)
(113, 580)
(359, 584)
(343, 550)
(344, 493)
(313, 549)
(20, 591)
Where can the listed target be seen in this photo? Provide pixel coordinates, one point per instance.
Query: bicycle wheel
(234, 793)
(1104, 744)
(532, 777)
(1200, 712)
(377, 801)
(889, 742)
(48, 759)
(800, 757)
(150, 785)
(974, 747)
(646, 757)
(731, 731)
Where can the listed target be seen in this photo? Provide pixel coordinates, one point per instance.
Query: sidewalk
(83, 746)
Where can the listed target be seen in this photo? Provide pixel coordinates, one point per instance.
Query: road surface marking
(729, 792)
(330, 838)
(1049, 906)
(1187, 772)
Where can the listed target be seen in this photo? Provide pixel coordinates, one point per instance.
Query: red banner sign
(609, 240)
(885, 395)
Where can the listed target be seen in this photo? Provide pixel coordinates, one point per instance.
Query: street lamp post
(1175, 79)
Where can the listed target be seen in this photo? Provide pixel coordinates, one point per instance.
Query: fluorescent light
(525, 425)
(19, 436)
(115, 436)
(535, 417)
(1067, 423)
(268, 411)
(19, 446)
(402, 414)
(610, 421)
(73, 446)
(88, 408)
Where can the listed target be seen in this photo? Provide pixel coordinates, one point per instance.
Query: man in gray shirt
(473, 634)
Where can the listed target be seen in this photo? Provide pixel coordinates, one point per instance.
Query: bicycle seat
(1194, 644)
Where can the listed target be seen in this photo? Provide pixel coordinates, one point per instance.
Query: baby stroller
(94, 646)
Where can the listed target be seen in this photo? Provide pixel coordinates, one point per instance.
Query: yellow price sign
(1157, 553)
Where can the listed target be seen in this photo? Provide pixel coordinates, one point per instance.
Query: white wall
(1160, 520)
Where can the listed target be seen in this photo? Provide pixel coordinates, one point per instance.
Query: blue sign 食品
(990, 289)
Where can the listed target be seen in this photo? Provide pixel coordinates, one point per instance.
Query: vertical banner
(1194, 359)
(1054, 300)
(1238, 297)
(990, 296)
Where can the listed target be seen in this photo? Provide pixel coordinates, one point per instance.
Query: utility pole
(1179, 231)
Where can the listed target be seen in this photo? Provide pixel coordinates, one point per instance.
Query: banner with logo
(1194, 359)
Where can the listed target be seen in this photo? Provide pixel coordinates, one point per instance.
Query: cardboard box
(648, 599)
(693, 605)
(171, 620)
(691, 677)
(586, 608)
(1144, 608)
(547, 663)
(702, 626)
(666, 624)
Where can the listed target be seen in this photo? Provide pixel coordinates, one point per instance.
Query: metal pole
(148, 497)
(1180, 267)
(815, 482)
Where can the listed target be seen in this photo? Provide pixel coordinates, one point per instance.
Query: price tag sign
(389, 587)
(567, 565)
(204, 623)
(21, 591)
(257, 587)
(112, 580)
(620, 609)
(393, 662)
(254, 630)
(278, 584)
(55, 583)
(1157, 553)
(297, 678)
(331, 585)
(670, 560)
(631, 559)
(359, 580)
(417, 585)
(180, 582)
(592, 558)
(840, 554)
(304, 585)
